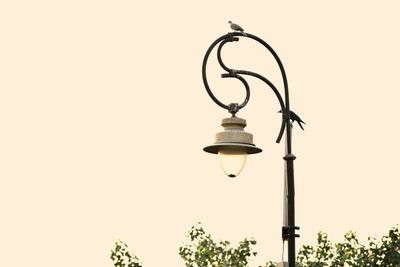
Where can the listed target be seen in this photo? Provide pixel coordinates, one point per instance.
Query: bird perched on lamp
(295, 117)
(236, 27)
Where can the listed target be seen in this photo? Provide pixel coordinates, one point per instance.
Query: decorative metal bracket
(237, 74)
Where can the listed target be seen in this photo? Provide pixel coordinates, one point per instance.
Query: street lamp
(233, 144)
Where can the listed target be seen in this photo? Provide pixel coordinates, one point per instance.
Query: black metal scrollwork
(233, 73)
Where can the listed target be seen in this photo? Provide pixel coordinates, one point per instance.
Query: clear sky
(104, 116)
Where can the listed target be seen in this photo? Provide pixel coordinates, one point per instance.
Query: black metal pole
(290, 234)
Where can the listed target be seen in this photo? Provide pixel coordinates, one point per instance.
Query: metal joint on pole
(288, 232)
(289, 157)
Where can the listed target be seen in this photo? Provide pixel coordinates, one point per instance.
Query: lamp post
(233, 144)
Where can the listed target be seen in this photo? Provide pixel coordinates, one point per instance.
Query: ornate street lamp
(233, 144)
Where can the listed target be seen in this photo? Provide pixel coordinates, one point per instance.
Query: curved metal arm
(230, 37)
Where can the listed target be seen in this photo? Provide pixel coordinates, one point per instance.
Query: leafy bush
(121, 256)
(203, 251)
(384, 252)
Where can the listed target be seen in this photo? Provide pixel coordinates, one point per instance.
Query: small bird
(236, 27)
(295, 117)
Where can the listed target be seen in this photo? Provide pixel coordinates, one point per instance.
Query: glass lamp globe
(232, 161)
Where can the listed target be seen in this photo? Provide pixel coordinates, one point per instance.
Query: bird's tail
(300, 125)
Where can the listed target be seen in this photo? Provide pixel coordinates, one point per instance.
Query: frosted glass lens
(232, 160)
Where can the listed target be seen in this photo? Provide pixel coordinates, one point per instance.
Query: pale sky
(104, 117)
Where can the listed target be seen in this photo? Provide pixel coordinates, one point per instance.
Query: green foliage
(384, 252)
(203, 251)
(121, 256)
